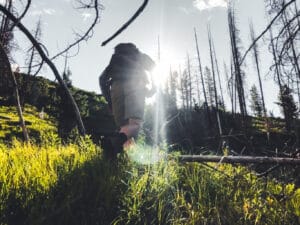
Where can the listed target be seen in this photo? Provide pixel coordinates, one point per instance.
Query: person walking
(124, 85)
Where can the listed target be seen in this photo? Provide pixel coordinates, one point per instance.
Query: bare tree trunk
(277, 69)
(215, 86)
(182, 88)
(278, 75)
(15, 85)
(229, 86)
(293, 48)
(236, 63)
(198, 88)
(202, 77)
(234, 91)
(218, 73)
(256, 59)
(189, 83)
(37, 35)
(298, 92)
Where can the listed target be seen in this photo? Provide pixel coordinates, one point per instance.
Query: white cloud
(208, 4)
(40, 12)
(50, 11)
(86, 16)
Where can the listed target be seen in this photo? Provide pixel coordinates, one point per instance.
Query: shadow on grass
(88, 195)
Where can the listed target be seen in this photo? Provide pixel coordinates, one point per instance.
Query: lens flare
(145, 154)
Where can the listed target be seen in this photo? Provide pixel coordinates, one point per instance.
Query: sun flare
(161, 72)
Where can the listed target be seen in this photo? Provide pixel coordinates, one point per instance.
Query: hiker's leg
(131, 130)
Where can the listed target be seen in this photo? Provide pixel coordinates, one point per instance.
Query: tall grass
(52, 183)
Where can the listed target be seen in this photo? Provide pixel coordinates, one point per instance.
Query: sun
(161, 72)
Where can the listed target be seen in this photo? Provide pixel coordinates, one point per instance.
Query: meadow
(58, 183)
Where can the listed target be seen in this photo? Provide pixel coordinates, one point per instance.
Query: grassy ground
(35, 123)
(53, 183)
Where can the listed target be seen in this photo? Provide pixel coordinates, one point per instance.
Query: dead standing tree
(229, 86)
(218, 74)
(32, 51)
(257, 65)
(214, 81)
(189, 83)
(202, 77)
(7, 69)
(256, 60)
(237, 62)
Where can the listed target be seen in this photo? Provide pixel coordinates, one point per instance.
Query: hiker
(123, 84)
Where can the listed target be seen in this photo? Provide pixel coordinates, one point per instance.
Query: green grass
(9, 122)
(52, 183)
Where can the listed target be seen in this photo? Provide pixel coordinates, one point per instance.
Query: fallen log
(239, 159)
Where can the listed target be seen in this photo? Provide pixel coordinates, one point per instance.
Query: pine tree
(256, 102)
(286, 101)
(66, 77)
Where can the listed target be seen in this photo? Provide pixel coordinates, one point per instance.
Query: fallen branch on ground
(239, 159)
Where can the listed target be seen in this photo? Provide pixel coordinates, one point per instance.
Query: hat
(126, 47)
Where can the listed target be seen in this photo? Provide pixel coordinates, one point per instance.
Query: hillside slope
(36, 122)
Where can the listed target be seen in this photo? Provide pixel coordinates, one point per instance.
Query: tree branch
(22, 15)
(265, 30)
(238, 159)
(88, 32)
(48, 62)
(137, 13)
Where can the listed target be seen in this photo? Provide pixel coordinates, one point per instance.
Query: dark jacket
(126, 63)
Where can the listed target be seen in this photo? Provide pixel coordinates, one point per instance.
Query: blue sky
(172, 20)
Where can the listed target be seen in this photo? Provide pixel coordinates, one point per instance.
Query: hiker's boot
(107, 148)
(113, 145)
(117, 142)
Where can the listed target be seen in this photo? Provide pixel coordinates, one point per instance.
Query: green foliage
(288, 105)
(256, 102)
(169, 193)
(53, 183)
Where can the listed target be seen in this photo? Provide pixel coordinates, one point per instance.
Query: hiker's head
(127, 48)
